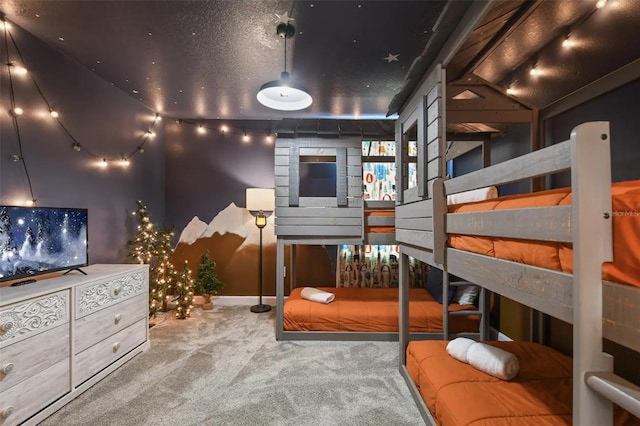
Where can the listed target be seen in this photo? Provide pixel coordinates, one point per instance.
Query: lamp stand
(260, 307)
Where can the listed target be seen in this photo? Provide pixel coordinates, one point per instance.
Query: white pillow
(466, 294)
(479, 194)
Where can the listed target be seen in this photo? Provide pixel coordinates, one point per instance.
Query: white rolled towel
(458, 348)
(494, 361)
(316, 295)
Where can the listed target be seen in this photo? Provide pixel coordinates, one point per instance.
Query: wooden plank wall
(327, 217)
(415, 214)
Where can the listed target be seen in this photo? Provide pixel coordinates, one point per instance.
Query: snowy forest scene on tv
(36, 240)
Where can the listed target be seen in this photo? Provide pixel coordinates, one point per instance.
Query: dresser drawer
(92, 360)
(101, 294)
(24, 359)
(35, 393)
(93, 328)
(26, 319)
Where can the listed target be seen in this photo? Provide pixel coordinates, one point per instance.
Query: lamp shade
(284, 95)
(261, 199)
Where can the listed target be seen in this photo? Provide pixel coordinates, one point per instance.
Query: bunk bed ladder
(482, 307)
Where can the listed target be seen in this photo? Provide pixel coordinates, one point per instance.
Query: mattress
(369, 229)
(457, 394)
(624, 269)
(372, 310)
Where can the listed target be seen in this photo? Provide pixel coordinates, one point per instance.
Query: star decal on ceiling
(283, 18)
(390, 58)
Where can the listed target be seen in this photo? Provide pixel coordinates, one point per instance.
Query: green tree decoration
(184, 292)
(152, 246)
(207, 281)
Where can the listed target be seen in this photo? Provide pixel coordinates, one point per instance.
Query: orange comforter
(626, 234)
(371, 309)
(458, 394)
(379, 229)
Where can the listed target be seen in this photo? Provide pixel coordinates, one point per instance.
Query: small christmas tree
(184, 292)
(153, 247)
(207, 281)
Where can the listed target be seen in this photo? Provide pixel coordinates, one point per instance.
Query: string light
(17, 69)
(157, 118)
(103, 163)
(601, 3)
(151, 134)
(53, 113)
(269, 139)
(201, 130)
(224, 129)
(534, 71)
(511, 90)
(125, 162)
(568, 42)
(76, 147)
(5, 25)
(246, 138)
(17, 111)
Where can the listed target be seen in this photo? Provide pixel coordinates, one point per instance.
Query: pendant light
(284, 94)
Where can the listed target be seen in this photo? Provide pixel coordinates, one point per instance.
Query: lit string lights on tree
(152, 246)
(184, 292)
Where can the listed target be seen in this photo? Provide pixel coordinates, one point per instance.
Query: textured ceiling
(207, 59)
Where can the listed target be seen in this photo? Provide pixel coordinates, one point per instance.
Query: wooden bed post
(592, 245)
(403, 311)
(280, 275)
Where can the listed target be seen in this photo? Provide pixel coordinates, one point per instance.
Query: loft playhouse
(565, 244)
(354, 215)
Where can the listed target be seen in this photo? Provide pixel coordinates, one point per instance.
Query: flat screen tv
(39, 240)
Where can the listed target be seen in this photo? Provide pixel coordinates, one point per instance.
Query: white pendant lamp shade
(284, 95)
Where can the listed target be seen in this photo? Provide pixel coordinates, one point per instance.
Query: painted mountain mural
(233, 242)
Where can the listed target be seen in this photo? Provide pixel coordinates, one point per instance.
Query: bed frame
(597, 309)
(325, 221)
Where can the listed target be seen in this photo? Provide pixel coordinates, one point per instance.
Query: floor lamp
(260, 203)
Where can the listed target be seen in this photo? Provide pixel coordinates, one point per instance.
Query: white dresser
(61, 335)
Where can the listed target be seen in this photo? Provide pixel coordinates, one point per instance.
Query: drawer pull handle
(8, 368)
(117, 318)
(7, 412)
(7, 326)
(116, 346)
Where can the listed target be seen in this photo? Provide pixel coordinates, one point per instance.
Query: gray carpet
(224, 367)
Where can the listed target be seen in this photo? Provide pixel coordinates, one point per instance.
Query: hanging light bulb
(284, 94)
(245, 138)
(511, 90)
(224, 129)
(269, 139)
(125, 162)
(5, 25)
(17, 111)
(157, 118)
(76, 146)
(151, 134)
(103, 163)
(201, 130)
(535, 71)
(568, 42)
(17, 69)
(53, 113)
(601, 3)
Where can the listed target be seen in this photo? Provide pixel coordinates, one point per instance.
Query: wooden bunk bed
(595, 307)
(357, 313)
(427, 230)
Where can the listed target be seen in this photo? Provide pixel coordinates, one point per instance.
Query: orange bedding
(371, 309)
(379, 229)
(458, 394)
(559, 256)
